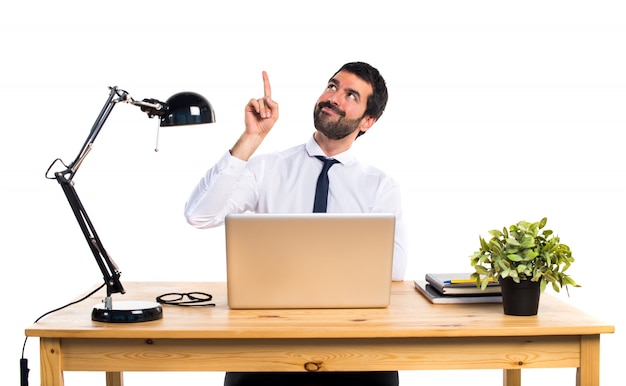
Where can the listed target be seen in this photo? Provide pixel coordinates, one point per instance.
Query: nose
(333, 99)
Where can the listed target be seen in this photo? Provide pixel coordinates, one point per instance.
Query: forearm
(246, 145)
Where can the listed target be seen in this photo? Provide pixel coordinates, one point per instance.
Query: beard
(333, 129)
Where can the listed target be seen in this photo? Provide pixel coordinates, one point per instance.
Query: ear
(366, 123)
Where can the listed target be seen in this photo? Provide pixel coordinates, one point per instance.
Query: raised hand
(260, 116)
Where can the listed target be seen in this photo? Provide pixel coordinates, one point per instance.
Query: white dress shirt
(284, 182)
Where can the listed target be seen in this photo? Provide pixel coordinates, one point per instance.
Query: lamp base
(127, 312)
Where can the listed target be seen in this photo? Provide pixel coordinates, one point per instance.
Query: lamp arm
(95, 130)
(151, 107)
(110, 271)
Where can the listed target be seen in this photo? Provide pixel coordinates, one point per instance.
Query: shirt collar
(313, 149)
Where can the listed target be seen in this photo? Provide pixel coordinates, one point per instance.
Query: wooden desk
(411, 334)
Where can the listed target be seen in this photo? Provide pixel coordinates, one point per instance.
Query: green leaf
(514, 257)
(528, 241)
(512, 241)
(495, 233)
(483, 244)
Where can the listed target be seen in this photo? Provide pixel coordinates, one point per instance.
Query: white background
(499, 111)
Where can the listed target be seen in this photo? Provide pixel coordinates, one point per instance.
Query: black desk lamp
(184, 108)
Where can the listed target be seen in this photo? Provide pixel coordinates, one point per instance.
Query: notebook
(312, 260)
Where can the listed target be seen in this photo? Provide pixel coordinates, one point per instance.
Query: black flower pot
(520, 299)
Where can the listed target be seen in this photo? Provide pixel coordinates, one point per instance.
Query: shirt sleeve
(400, 257)
(390, 201)
(225, 188)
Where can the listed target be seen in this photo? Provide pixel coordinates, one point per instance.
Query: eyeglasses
(189, 299)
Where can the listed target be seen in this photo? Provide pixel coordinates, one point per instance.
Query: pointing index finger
(267, 89)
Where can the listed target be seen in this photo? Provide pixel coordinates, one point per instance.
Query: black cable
(24, 370)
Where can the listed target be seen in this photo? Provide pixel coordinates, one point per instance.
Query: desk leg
(50, 362)
(588, 374)
(512, 377)
(115, 379)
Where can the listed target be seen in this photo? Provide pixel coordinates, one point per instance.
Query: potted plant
(523, 258)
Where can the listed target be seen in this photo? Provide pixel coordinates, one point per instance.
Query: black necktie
(321, 191)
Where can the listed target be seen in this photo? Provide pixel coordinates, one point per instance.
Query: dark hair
(378, 100)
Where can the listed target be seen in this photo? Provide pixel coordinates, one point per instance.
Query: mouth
(328, 108)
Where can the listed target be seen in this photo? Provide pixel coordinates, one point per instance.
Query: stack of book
(457, 288)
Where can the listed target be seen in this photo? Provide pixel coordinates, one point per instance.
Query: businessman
(287, 182)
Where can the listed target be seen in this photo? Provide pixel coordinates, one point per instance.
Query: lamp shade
(187, 108)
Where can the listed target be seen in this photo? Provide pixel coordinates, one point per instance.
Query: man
(285, 182)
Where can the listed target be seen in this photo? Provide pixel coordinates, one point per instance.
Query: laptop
(311, 260)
